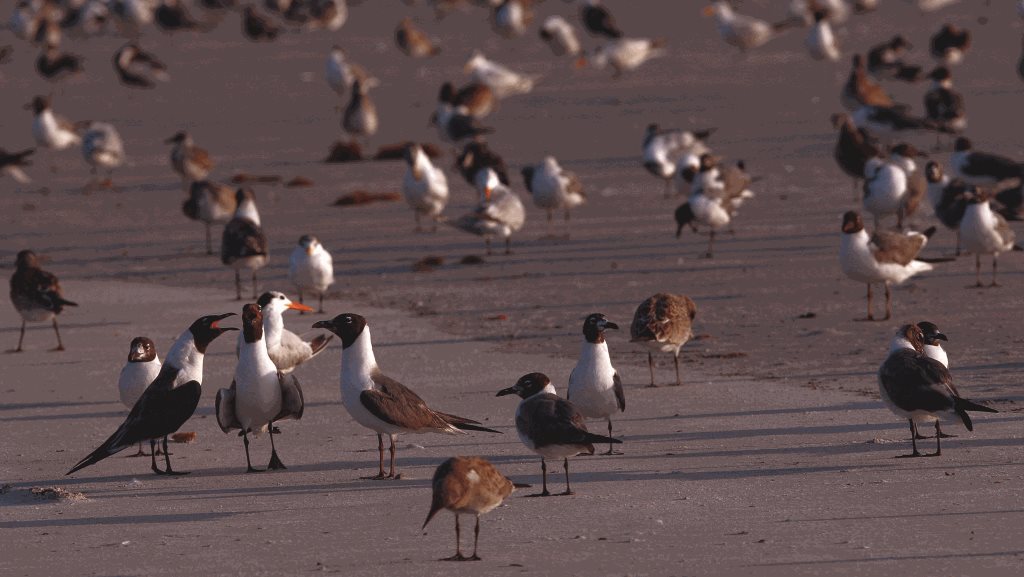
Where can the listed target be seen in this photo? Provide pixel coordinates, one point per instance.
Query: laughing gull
(414, 42)
(477, 156)
(742, 31)
(191, 162)
(885, 61)
(560, 36)
(663, 323)
(551, 426)
(553, 188)
(260, 394)
(884, 257)
(984, 231)
(243, 244)
(425, 186)
(137, 68)
(821, 41)
(210, 202)
(511, 17)
(932, 347)
(311, 268)
(142, 368)
(287, 349)
(624, 54)
(169, 400)
(860, 90)
(598, 21)
(55, 65)
(36, 295)
(982, 168)
(503, 81)
(11, 163)
(594, 385)
(467, 486)
(854, 147)
(944, 105)
(947, 197)
(360, 116)
(103, 148)
(662, 148)
(379, 402)
(949, 44)
(920, 389)
(50, 129)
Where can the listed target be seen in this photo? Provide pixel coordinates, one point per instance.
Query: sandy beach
(776, 457)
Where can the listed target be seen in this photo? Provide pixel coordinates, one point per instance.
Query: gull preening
(425, 186)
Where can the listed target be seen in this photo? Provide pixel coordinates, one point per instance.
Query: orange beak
(708, 10)
(581, 62)
(299, 307)
(487, 193)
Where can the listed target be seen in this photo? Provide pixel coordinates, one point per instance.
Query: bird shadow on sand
(930, 557)
(127, 520)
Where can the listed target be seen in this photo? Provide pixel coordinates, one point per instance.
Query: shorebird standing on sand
(663, 323)
(36, 295)
(142, 368)
(243, 244)
(311, 268)
(594, 385)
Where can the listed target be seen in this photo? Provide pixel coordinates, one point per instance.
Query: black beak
(324, 325)
(219, 318)
(508, 391)
(940, 337)
(611, 325)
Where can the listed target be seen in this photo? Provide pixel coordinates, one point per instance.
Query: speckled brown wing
(34, 288)
(736, 182)
(894, 247)
(664, 318)
(395, 404)
(1003, 229)
(201, 158)
(467, 484)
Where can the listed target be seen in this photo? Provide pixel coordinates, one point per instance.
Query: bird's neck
(357, 359)
(273, 326)
(901, 343)
(247, 210)
(595, 352)
(185, 357)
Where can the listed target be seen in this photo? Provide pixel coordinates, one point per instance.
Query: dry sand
(775, 458)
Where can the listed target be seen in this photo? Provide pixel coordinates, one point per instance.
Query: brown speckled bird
(36, 295)
(663, 323)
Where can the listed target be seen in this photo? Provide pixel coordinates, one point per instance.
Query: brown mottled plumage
(663, 323)
(36, 295)
(467, 486)
(861, 90)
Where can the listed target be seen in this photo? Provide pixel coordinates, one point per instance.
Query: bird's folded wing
(225, 409)
(292, 401)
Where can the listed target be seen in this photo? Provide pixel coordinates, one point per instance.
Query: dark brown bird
(885, 61)
(243, 244)
(54, 65)
(860, 90)
(36, 295)
(467, 486)
(413, 41)
(138, 68)
(12, 162)
(663, 323)
(949, 44)
(854, 148)
(257, 27)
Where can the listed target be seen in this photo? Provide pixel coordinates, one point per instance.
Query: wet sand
(776, 457)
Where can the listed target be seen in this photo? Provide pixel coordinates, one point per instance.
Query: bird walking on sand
(550, 426)
(50, 129)
(594, 385)
(467, 486)
(311, 268)
(425, 186)
(36, 295)
(260, 394)
(502, 80)
(663, 323)
(884, 257)
(142, 368)
(984, 231)
(920, 389)
(168, 401)
(560, 36)
(379, 402)
(243, 244)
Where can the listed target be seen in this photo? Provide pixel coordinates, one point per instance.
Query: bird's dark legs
(958, 242)
(888, 302)
(676, 359)
(167, 461)
(248, 462)
(321, 303)
(476, 538)
(22, 337)
(610, 451)
(255, 295)
(565, 465)
(152, 454)
(275, 461)
(995, 260)
(938, 441)
(977, 270)
(140, 452)
(650, 365)
(711, 244)
(870, 316)
(487, 243)
(60, 345)
(544, 479)
(238, 285)
(380, 451)
(209, 240)
(458, 546)
(913, 441)
(392, 474)
(508, 245)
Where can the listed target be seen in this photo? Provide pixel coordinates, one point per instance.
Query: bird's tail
(464, 424)
(320, 343)
(595, 439)
(65, 303)
(961, 406)
(105, 450)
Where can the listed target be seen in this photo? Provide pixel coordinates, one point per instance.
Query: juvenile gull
(663, 323)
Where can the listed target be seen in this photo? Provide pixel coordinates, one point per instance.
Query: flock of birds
(976, 197)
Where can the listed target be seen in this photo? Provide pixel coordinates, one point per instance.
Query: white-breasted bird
(243, 244)
(50, 129)
(259, 395)
(553, 188)
(984, 231)
(379, 402)
(560, 36)
(502, 80)
(311, 268)
(210, 202)
(624, 54)
(141, 369)
(425, 186)
(103, 148)
(662, 149)
(885, 257)
(594, 385)
(500, 212)
(821, 41)
(550, 426)
(920, 389)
